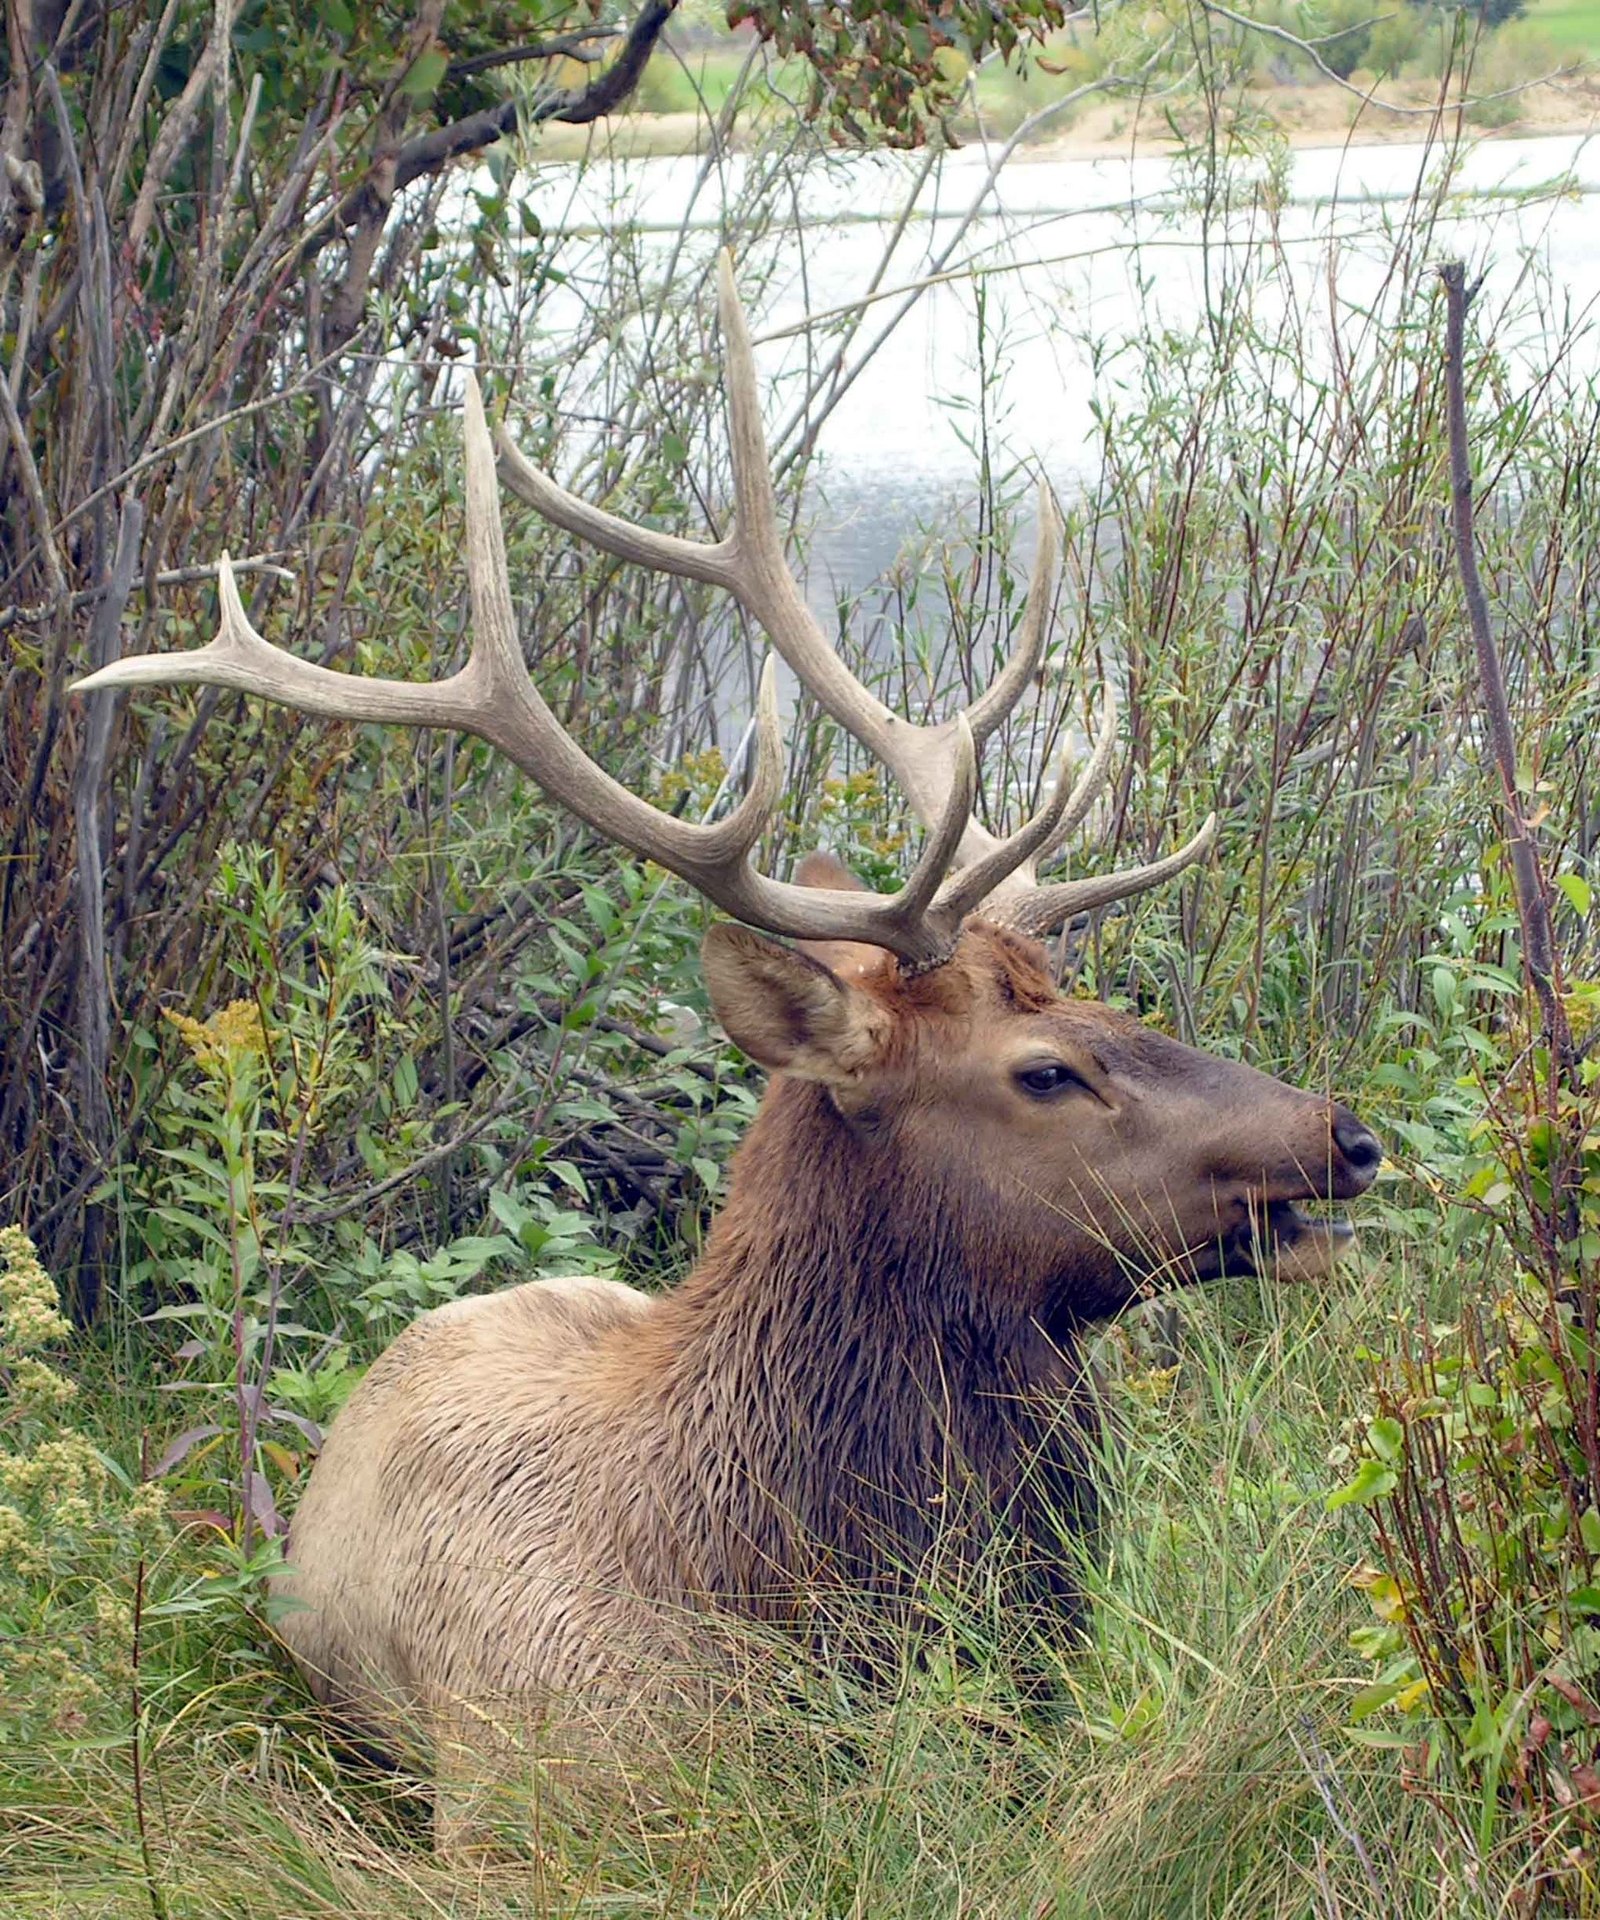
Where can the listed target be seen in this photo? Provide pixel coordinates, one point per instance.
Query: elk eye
(1048, 1077)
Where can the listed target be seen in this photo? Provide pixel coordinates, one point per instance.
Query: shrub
(1511, 60)
(73, 1525)
(1396, 39)
(1481, 1465)
(1480, 1461)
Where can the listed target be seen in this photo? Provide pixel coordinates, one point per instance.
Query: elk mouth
(1278, 1236)
(1286, 1227)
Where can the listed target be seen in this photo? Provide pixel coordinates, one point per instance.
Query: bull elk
(954, 1171)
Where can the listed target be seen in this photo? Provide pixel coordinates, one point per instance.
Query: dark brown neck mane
(850, 1398)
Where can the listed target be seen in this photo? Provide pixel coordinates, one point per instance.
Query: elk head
(1071, 1156)
(925, 1013)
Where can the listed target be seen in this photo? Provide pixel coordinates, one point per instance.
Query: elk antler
(962, 866)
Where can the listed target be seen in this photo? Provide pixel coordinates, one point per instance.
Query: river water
(1074, 257)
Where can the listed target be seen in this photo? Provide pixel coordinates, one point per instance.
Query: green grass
(1573, 25)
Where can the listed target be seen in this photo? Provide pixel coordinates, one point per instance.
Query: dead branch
(1533, 897)
(586, 43)
(177, 130)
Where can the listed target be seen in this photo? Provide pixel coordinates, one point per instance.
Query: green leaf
(1580, 895)
(1380, 1737)
(1387, 1438)
(1372, 1481)
(1368, 1700)
(508, 1210)
(422, 82)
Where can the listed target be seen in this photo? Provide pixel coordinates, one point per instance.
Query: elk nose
(1360, 1146)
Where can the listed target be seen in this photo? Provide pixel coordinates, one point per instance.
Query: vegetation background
(304, 1029)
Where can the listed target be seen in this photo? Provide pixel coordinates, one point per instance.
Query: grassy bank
(1188, 1768)
(1570, 24)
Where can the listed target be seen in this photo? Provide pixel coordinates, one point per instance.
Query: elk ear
(788, 1011)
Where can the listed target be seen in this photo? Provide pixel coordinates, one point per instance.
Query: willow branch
(1533, 895)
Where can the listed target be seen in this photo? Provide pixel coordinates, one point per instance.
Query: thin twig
(33, 491)
(42, 610)
(1324, 1776)
(1369, 95)
(369, 1196)
(586, 43)
(1533, 897)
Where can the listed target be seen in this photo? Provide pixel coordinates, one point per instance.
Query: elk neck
(842, 1389)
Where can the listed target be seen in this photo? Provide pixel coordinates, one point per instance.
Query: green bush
(1397, 38)
(73, 1527)
(1481, 1467)
(1342, 31)
(1512, 59)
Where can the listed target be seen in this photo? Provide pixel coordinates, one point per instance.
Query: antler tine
(1045, 909)
(1010, 683)
(241, 660)
(709, 561)
(768, 589)
(1015, 859)
(940, 847)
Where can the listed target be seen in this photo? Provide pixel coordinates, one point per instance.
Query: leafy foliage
(892, 65)
(1481, 1469)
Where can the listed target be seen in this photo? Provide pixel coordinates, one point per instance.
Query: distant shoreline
(1307, 117)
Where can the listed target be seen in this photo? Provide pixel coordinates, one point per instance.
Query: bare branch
(33, 491)
(575, 105)
(431, 151)
(579, 105)
(267, 563)
(1533, 897)
(177, 129)
(366, 205)
(585, 43)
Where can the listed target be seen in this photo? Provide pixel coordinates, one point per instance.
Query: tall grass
(1187, 1767)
